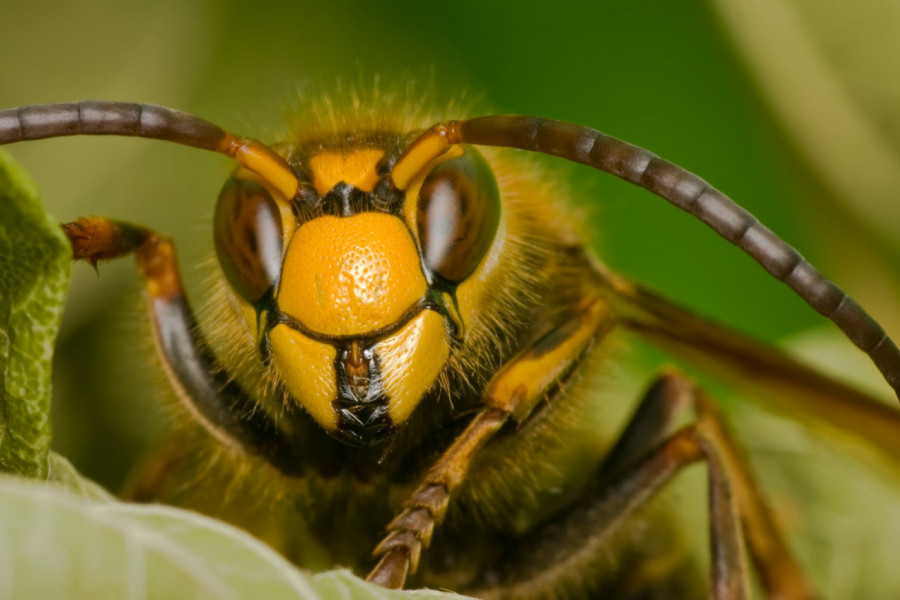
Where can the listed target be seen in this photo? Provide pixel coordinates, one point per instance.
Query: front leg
(511, 394)
(211, 396)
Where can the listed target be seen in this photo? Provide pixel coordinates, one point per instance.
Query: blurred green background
(787, 106)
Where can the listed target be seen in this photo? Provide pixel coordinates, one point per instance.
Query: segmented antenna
(680, 187)
(148, 121)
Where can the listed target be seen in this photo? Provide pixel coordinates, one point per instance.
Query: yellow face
(353, 294)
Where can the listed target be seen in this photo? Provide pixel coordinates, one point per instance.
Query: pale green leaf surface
(64, 475)
(34, 271)
(56, 545)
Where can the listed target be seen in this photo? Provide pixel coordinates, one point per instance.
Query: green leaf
(34, 272)
(57, 545)
(64, 475)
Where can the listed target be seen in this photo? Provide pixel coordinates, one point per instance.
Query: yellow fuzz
(351, 275)
(355, 168)
(307, 369)
(411, 360)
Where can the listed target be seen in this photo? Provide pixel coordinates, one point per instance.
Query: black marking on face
(387, 198)
(345, 200)
(362, 404)
(278, 317)
(339, 201)
(307, 203)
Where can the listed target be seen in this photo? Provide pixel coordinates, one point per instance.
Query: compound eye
(458, 212)
(248, 238)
